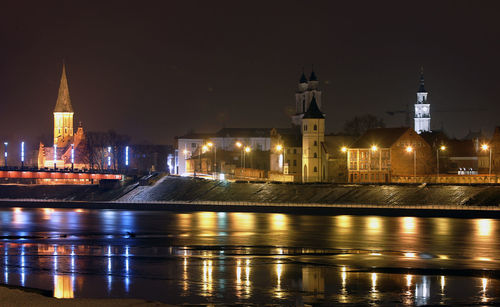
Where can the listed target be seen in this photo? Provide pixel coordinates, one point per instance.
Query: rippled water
(209, 257)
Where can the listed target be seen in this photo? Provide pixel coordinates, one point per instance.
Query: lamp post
(210, 144)
(487, 147)
(240, 146)
(5, 153)
(55, 156)
(344, 149)
(279, 148)
(374, 149)
(246, 151)
(22, 155)
(126, 157)
(410, 149)
(109, 158)
(72, 157)
(442, 148)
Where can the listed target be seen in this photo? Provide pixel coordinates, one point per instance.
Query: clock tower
(422, 109)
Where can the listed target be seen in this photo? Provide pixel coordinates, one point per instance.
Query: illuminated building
(422, 109)
(60, 154)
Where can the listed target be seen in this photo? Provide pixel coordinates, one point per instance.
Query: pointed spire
(421, 88)
(313, 110)
(313, 75)
(303, 78)
(63, 103)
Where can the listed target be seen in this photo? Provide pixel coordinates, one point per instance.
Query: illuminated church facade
(68, 149)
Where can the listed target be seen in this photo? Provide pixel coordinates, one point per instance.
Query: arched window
(315, 127)
(315, 169)
(315, 155)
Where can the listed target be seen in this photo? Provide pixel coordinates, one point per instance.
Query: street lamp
(126, 157)
(374, 149)
(210, 144)
(109, 157)
(485, 147)
(55, 156)
(441, 148)
(247, 150)
(240, 145)
(410, 149)
(343, 149)
(280, 148)
(72, 157)
(22, 154)
(5, 152)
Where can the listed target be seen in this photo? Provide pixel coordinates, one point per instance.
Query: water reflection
(220, 261)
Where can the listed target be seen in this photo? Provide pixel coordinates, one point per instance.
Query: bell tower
(307, 89)
(63, 114)
(422, 108)
(314, 159)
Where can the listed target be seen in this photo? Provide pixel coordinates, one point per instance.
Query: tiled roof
(382, 137)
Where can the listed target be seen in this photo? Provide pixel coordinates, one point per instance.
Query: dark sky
(155, 70)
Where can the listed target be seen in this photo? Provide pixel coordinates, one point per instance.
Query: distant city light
(343, 149)
(222, 177)
(248, 149)
(409, 149)
(443, 148)
(279, 147)
(238, 144)
(55, 156)
(374, 148)
(485, 147)
(72, 153)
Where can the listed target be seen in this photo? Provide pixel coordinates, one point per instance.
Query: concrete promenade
(458, 211)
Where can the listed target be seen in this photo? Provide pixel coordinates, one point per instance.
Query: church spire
(421, 88)
(63, 103)
(313, 76)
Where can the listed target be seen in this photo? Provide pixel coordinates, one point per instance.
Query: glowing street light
(55, 156)
(246, 151)
(374, 148)
(5, 152)
(126, 156)
(238, 144)
(210, 144)
(72, 157)
(280, 148)
(485, 147)
(109, 157)
(410, 149)
(22, 154)
(343, 149)
(441, 148)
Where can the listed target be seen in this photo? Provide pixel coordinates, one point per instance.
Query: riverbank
(19, 296)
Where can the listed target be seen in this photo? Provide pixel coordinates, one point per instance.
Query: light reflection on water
(244, 257)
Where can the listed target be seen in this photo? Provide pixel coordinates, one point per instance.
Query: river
(225, 258)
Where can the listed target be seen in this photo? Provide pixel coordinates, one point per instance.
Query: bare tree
(360, 124)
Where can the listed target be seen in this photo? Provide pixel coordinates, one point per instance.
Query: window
(288, 151)
(193, 145)
(305, 127)
(288, 162)
(315, 155)
(295, 150)
(259, 147)
(315, 143)
(315, 127)
(294, 162)
(315, 169)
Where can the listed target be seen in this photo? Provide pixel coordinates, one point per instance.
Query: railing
(268, 204)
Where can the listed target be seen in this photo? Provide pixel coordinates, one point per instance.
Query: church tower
(314, 159)
(306, 91)
(422, 109)
(63, 114)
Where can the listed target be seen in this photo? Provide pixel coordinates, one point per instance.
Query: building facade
(384, 152)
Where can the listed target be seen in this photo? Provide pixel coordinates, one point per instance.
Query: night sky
(155, 70)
